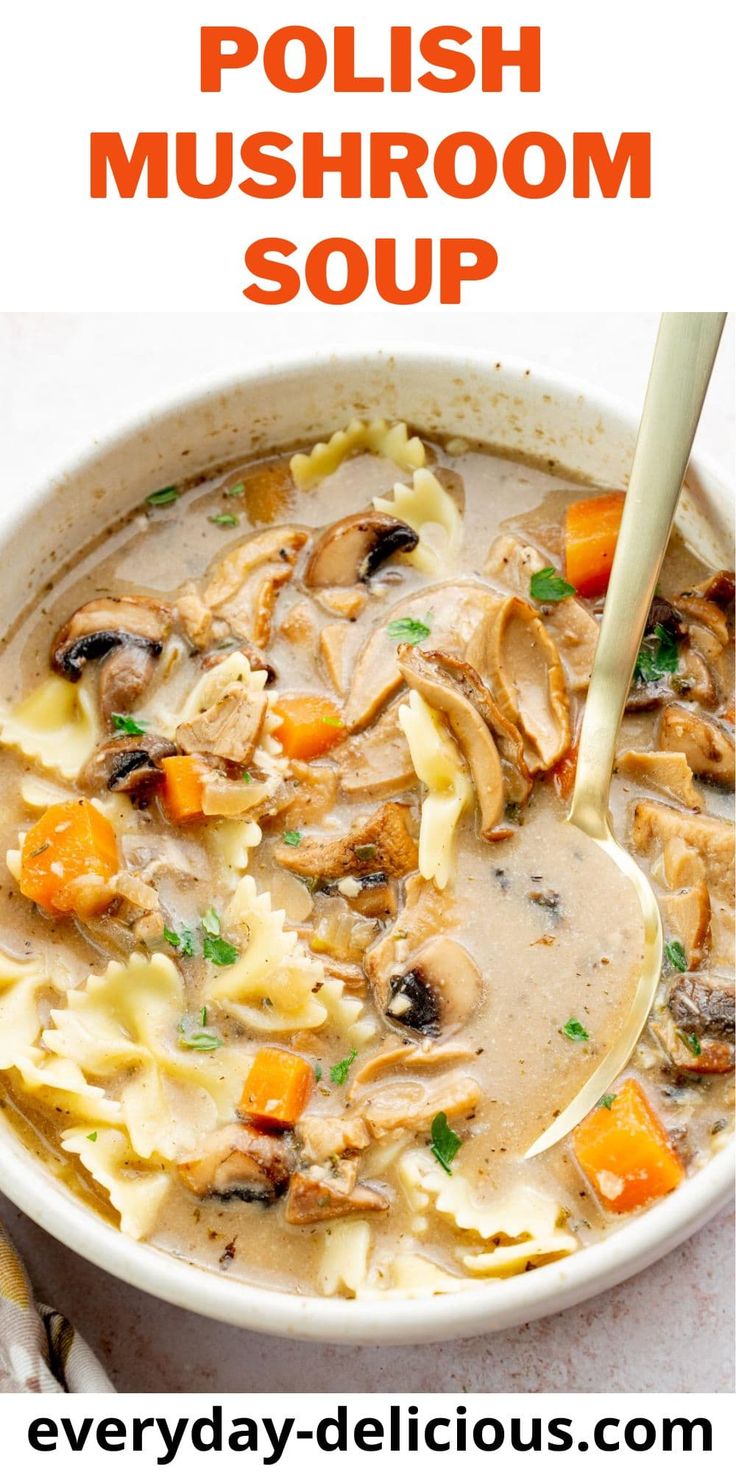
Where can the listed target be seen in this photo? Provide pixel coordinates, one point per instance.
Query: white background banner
(639, 66)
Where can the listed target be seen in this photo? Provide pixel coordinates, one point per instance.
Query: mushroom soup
(299, 956)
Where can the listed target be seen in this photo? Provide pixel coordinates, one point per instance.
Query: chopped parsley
(183, 943)
(318, 1071)
(237, 490)
(218, 950)
(211, 922)
(293, 837)
(606, 1101)
(339, 1071)
(575, 1031)
(331, 721)
(164, 497)
(93, 1136)
(692, 1041)
(675, 953)
(224, 518)
(408, 630)
(214, 947)
(657, 656)
(365, 852)
(445, 1143)
(128, 725)
(247, 776)
(548, 586)
(199, 1038)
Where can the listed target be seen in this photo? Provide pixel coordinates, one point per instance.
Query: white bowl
(523, 409)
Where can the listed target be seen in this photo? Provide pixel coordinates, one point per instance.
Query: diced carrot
(591, 533)
(69, 856)
(563, 773)
(624, 1150)
(183, 788)
(277, 1088)
(309, 725)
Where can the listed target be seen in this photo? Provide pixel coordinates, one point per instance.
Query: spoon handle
(684, 354)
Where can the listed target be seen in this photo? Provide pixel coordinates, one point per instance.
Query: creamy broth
(493, 995)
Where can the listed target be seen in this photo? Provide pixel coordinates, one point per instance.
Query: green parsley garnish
(365, 852)
(318, 1071)
(331, 721)
(606, 1101)
(237, 490)
(675, 953)
(247, 776)
(340, 1071)
(183, 943)
(163, 497)
(201, 1040)
(203, 1016)
(657, 656)
(127, 725)
(218, 950)
(692, 1041)
(408, 630)
(93, 1136)
(575, 1031)
(445, 1143)
(211, 921)
(224, 518)
(293, 837)
(548, 586)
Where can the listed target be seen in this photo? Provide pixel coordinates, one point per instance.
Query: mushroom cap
(440, 988)
(104, 624)
(126, 763)
(351, 550)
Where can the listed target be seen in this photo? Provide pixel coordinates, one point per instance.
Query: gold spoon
(684, 354)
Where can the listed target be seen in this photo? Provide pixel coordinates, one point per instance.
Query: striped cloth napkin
(39, 1348)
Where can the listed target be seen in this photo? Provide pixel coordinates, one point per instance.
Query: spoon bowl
(683, 360)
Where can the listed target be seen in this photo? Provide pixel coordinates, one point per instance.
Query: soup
(299, 956)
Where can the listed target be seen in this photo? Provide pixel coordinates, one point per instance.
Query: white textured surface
(65, 380)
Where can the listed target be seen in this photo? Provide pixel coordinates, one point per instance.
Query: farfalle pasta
(298, 956)
(423, 505)
(391, 441)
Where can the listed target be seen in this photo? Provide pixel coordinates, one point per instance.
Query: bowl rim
(486, 1306)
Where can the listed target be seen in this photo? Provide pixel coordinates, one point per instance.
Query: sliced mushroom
(352, 549)
(321, 1194)
(412, 1055)
(518, 657)
(376, 763)
(450, 611)
(426, 913)
(708, 747)
(654, 824)
(703, 1004)
(663, 613)
(701, 610)
(413, 1104)
(228, 729)
(245, 583)
(325, 1136)
(455, 687)
(440, 988)
(126, 764)
(667, 770)
(105, 624)
(719, 587)
(372, 895)
(380, 842)
(124, 676)
(512, 563)
(240, 1162)
(687, 917)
